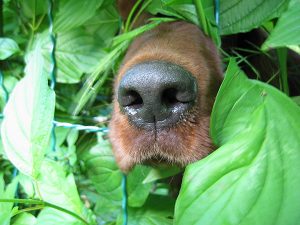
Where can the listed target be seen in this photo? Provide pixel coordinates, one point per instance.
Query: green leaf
(158, 210)
(76, 53)
(297, 100)
(107, 178)
(73, 13)
(235, 15)
(59, 188)
(253, 177)
(136, 189)
(103, 171)
(105, 24)
(50, 216)
(32, 8)
(9, 84)
(243, 15)
(7, 192)
(287, 29)
(160, 173)
(27, 185)
(24, 219)
(8, 47)
(28, 118)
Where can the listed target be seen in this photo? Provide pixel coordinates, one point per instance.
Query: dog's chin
(178, 145)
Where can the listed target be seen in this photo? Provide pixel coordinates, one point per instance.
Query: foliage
(69, 176)
(256, 165)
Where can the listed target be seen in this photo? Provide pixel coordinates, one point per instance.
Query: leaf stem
(282, 57)
(201, 16)
(126, 29)
(45, 204)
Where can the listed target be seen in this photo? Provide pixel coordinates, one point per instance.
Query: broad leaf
(136, 189)
(235, 15)
(158, 210)
(9, 84)
(76, 53)
(107, 178)
(243, 15)
(28, 118)
(59, 188)
(102, 170)
(50, 216)
(8, 47)
(32, 8)
(24, 219)
(287, 29)
(253, 177)
(7, 192)
(105, 24)
(160, 173)
(73, 13)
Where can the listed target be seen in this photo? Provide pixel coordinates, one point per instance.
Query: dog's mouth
(156, 161)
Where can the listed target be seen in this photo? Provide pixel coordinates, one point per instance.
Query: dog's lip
(157, 125)
(157, 161)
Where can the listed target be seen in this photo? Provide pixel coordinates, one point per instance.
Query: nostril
(173, 97)
(132, 99)
(169, 97)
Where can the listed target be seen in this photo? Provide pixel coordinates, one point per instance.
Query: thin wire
(52, 66)
(6, 95)
(217, 14)
(81, 127)
(53, 138)
(124, 199)
(52, 50)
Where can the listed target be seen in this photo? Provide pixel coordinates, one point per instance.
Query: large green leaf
(287, 29)
(254, 177)
(104, 24)
(158, 210)
(159, 173)
(243, 15)
(7, 192)
(73, 13)
(32, 8)
(28, 118)
(24, 219)
(50, 216)
(107, 178)
(9, 83)
(103, 170)
(59, 188)
(76, 53)
(8, 47)
(136, 189)
(235, 15)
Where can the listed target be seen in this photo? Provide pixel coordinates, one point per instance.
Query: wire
(124, 200)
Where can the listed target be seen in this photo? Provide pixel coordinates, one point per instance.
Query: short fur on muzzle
(187, 140)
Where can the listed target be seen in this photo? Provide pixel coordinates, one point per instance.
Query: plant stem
(126, 29)
(44, 204)
(282, 57)
(201, 16)
(1, 18)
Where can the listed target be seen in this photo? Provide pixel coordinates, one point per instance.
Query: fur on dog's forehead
(185, 45)
(180, 43)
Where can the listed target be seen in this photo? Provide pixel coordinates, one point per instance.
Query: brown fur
(183, 44)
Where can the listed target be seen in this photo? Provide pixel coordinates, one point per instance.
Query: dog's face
(164, 93)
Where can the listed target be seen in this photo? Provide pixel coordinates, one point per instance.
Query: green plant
(67, 175)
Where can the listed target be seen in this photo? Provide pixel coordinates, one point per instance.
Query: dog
(163, 96)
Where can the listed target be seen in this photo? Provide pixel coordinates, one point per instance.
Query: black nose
(156, 94)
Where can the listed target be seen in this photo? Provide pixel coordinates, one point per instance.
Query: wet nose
(156, 94)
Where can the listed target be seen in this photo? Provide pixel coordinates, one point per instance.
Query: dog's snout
(156, 93)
